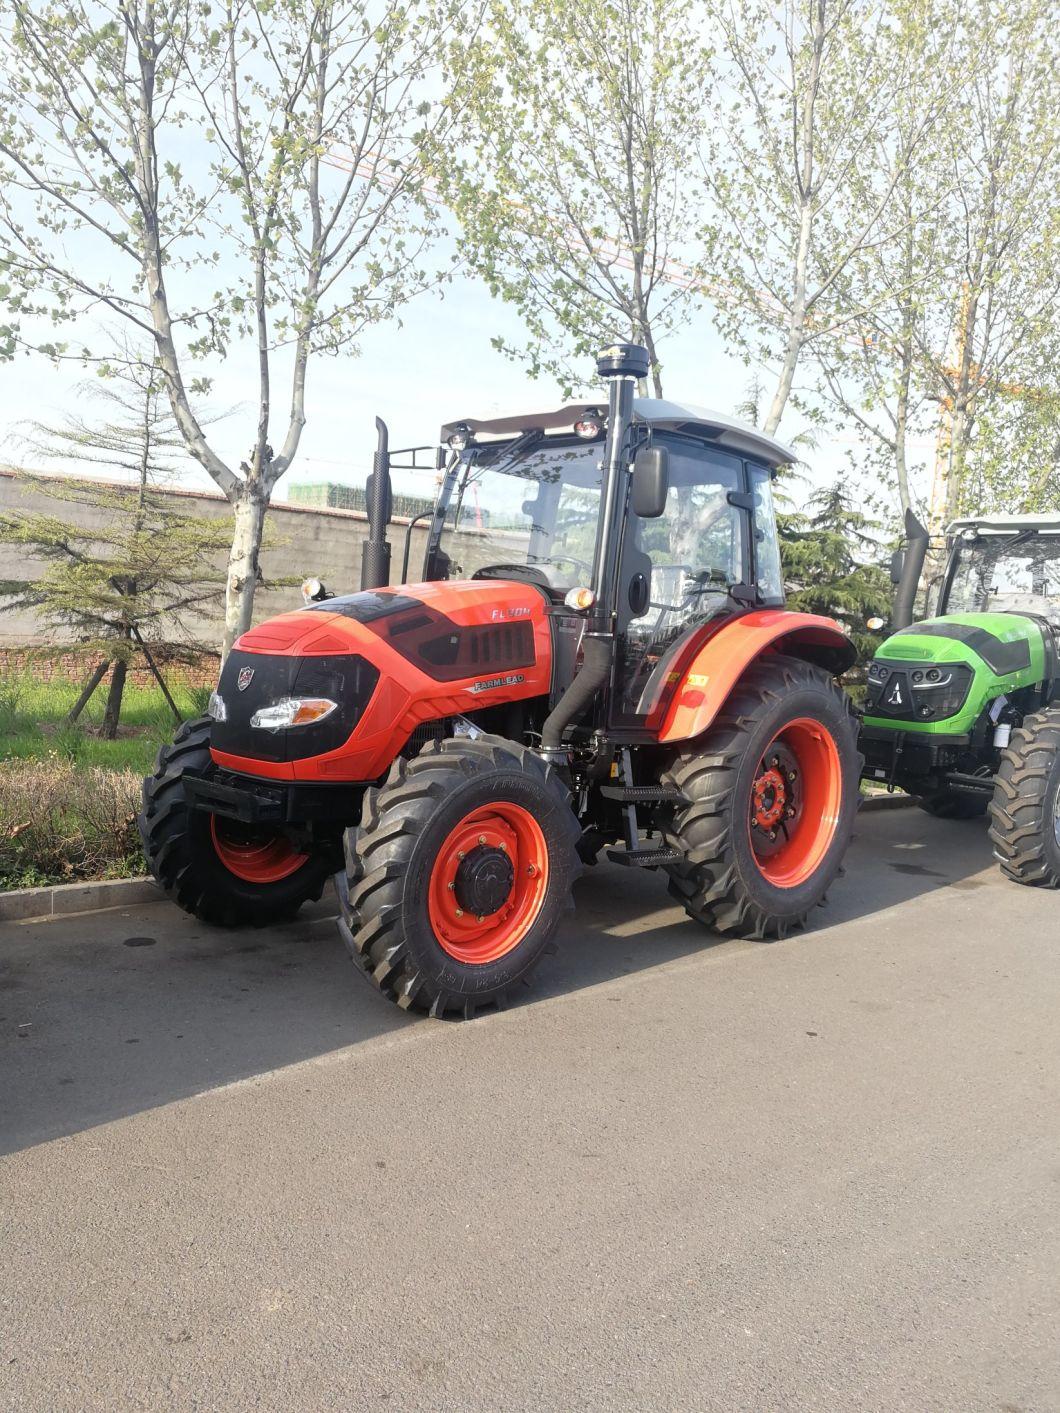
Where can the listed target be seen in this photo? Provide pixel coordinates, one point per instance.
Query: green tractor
(963, 709)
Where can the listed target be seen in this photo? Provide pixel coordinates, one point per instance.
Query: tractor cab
(1003, 564)
(522, 500)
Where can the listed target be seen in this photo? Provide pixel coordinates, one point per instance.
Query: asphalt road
(686, 1174)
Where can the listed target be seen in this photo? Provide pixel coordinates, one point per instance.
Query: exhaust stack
(621, 366)
(912, 566)
(375, 554)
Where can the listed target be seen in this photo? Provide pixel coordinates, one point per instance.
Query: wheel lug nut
(481, 917)
(460, 855)
(772, 834)
(792, 775)
(450, 886)
(460, 912)
(790, 813)
(482, 838)
(531, 870)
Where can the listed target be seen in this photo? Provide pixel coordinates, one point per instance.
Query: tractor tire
(952, 804)
(1025, 810)
(772, 792)
(458, 875)
(217, 869)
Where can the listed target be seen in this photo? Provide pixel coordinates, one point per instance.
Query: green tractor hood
(937, 677)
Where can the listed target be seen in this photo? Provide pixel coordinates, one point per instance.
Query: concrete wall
(302, 541)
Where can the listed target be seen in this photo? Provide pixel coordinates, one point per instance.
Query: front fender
(704, 684)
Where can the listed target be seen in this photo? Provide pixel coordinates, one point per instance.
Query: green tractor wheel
(1025, 810)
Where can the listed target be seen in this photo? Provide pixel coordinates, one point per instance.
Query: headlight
(313, 591)
(942, 692)
(580, 599)
(216, 709)
(293, 711)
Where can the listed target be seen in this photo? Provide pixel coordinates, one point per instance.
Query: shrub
(60, 823)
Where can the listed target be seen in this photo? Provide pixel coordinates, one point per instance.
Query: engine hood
(421, 652)
(1005, 643)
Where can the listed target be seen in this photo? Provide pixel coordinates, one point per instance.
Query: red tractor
(598, 654)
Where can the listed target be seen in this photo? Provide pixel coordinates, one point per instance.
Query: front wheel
(458, 875)
(771, 794)
(219, 870)
(1025, 810)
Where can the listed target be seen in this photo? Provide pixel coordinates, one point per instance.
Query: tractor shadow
(108, 1014)
(900, 855)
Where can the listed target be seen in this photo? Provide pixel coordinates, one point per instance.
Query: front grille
(922, 692)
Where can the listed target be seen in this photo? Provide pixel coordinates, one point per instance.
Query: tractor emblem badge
(246, 676)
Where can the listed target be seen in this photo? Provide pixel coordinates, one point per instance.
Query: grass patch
(62, 822)
(33, 725)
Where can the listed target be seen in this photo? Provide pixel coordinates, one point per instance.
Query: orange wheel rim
(488, 883)
(254, 855)
(796, 799)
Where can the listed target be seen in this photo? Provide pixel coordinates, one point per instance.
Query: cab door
(680, 570)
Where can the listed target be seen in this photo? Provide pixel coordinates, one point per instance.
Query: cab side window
(696, 546)
(769, 576)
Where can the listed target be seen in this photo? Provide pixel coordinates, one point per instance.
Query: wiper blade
(1021, 538)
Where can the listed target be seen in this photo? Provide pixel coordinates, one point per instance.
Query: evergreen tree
(830, 550)
(129, 580)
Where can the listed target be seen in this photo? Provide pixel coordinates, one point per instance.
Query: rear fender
(703, 681)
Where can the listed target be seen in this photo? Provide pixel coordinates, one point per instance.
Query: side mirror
(651, 482)
(897, 566)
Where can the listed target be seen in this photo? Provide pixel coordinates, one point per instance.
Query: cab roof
(727, 432)
(1004, 524)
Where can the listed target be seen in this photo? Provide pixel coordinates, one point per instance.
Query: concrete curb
(896, 801)
(59, 900)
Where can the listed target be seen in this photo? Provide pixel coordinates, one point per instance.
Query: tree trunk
(242, 580)
(901, 429)
(784, 383)
(112, 715)
(86, 691)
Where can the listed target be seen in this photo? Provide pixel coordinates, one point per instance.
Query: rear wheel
(218, 869)
(459, 874)
(771, 795)
(1025, 810)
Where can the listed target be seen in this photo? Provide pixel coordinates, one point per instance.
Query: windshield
(1015, 575)
(532, 503)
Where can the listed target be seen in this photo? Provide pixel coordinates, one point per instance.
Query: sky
(436, 365)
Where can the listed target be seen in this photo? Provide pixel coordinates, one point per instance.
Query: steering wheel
(558, 559)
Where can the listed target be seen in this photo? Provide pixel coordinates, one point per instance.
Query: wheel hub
(796, 802)
(488, 882)
(770, 797)
(484, 880)
(776, 799)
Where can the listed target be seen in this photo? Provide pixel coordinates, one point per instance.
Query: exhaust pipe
(375, 553)
(621, 366)
(912, 566)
